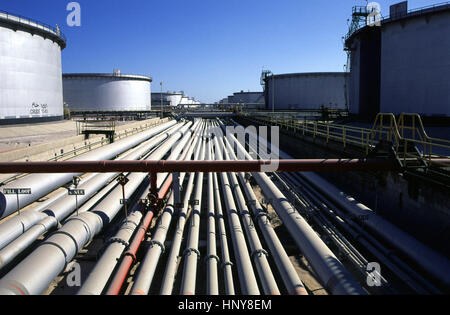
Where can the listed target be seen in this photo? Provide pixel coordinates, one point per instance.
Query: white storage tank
(107, 92)
(306, 91)
(30, 70)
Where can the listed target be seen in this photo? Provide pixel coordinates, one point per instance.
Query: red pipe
(130, 256)
(198, 166)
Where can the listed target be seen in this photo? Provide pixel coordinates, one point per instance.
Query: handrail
(385, 127)
(25, 20)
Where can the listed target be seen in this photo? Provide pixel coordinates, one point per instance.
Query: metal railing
(34, 23)
(411, 12)
(406, 132)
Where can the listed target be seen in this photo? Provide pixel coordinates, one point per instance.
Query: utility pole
(162, 113)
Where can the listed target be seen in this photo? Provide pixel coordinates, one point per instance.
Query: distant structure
(247, 97)
(402, 66)
(30, 70)
(168, 98)
(107, 92)
(306, 91)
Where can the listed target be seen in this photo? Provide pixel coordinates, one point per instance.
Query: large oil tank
(107, 92)
(306, 91)
(415, 63)
(30, 70)
(402, 66)
(248, 97)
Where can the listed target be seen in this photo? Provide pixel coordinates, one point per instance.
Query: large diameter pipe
(147, 269)
(99, 276)
(258, 253)
(247, 278)
(172, 261)
(192, 254)
(434, 263)
(287, 271)
(330, 270)
(42, 185)
(74, 235)
(62, 207)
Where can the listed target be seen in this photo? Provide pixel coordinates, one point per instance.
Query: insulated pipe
(42, 185)
(119, 277)
(62, 207)
(433, 262)
(212, 260)
(330, 270)
(258, 253)
(19, 224)
(171, 266)
(73, 236)
(99, 276)
(192, 254)
(287, 271)
(249, 285)
(227, 265)
(147, 269)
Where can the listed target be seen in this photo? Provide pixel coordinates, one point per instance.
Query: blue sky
(208, 48)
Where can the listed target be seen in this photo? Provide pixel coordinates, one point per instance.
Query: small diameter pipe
(330, 270)
(192, 254)
(247, 278)
(258, 253)
(171, 267)
(130, 257)
(287, 271)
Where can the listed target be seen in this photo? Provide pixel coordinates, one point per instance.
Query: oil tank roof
(33, 26)
(413, 13)
(308, 74)
(107, 75)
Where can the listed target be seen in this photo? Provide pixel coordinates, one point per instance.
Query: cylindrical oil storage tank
(30, 71)
(175, 99)
(249, 97)
(364, 78)
(107, 92)
(415, 62)
(306, 91)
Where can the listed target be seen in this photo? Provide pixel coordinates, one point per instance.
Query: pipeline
(258, 253)
(247, 278)
(42, 185)
(147, 269)
(429, 260)
(330, 270)
(62, 207)
(287, 271)
(130, 257)
(61, 247)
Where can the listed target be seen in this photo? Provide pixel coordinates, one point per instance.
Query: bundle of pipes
(42, 185)
(430, 261)
(61, 247)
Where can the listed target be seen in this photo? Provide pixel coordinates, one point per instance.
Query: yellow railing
(402, 133)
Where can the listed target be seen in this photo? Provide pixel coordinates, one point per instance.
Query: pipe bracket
(212, 257)
(259, 253)
(188, 252)
(226, 263)
(163, 248)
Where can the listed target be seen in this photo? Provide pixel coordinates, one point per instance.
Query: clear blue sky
(208, 48)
